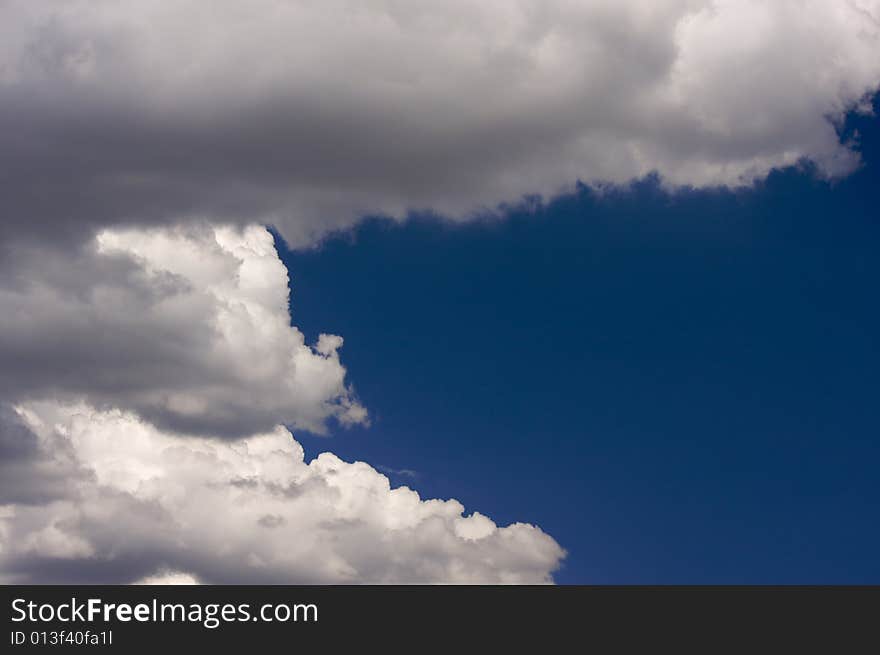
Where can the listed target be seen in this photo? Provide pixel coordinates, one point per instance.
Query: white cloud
(168, 578)
(156, 504)
(308, 114)
(188, 327)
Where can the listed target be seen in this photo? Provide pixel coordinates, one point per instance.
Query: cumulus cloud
(157, 507)
(148, 375)
(309, 114)
(190, 328)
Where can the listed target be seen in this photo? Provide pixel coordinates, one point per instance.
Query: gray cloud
(29, 473)
(309, 114)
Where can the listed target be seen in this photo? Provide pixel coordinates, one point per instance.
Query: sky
(679, 388)
(438, 292)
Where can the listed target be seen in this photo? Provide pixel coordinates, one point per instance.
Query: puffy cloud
(309, 114)
(157, 507)
(190, 328)
(150, 372)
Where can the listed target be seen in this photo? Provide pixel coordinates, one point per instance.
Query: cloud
(159, 507)
(32, 472)
(147, 376)
(168, 578)
(188, 327)
(406, 473)
(307, 115)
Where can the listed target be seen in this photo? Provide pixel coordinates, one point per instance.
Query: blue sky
(679, 388)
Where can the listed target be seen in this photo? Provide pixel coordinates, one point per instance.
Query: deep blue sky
(679, 389)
